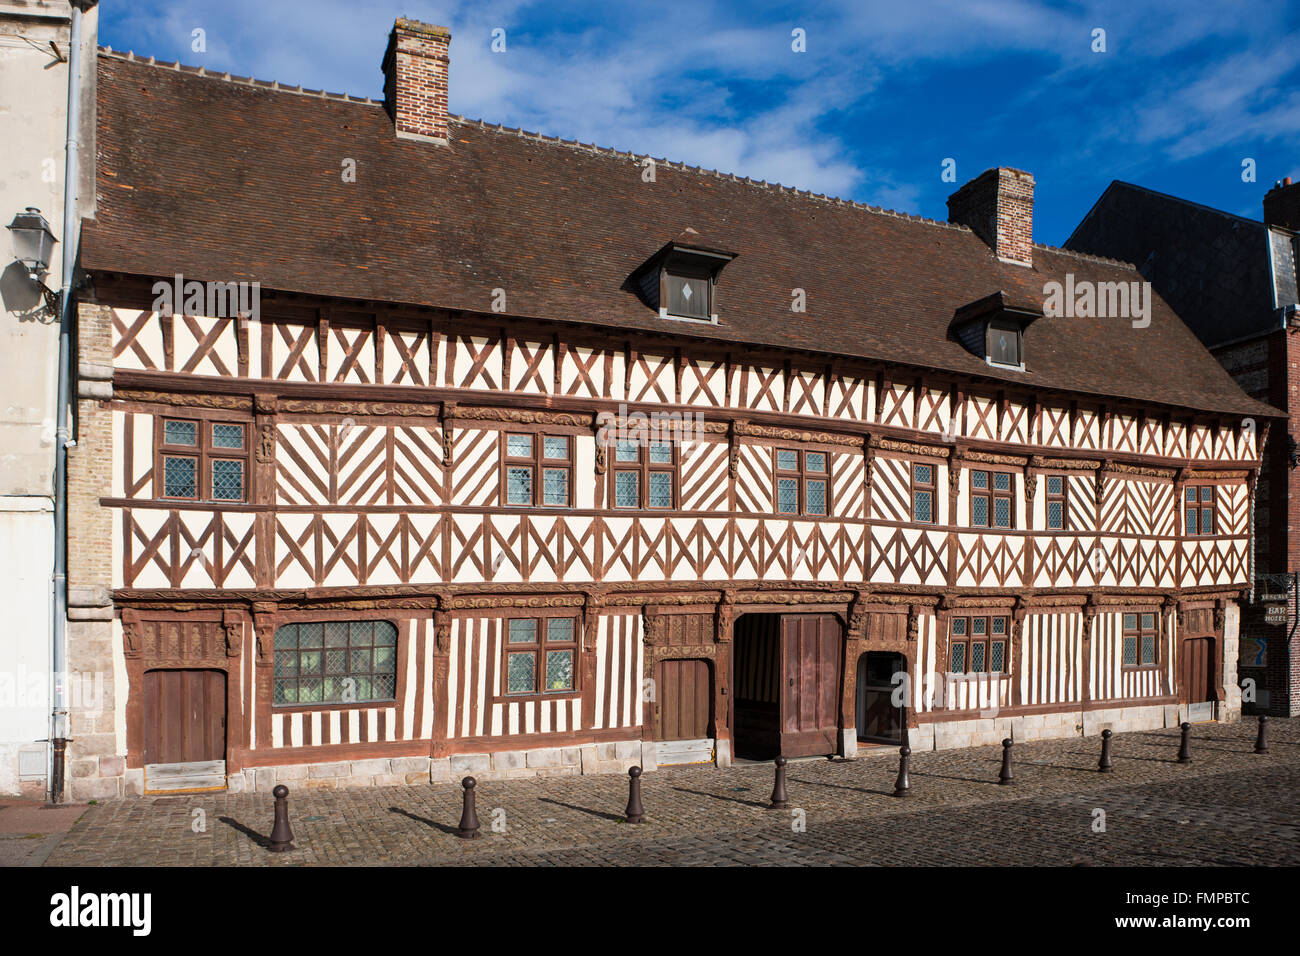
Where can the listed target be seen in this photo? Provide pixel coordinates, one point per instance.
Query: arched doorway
(878, 720)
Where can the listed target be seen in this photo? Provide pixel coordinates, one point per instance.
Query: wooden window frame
(1200, 508)
(1063, 498)
(992, 327)
(643, 467)
(538, 463)
(992, 496)
(539, 648)
(913, 486)
(300, 706)
(1136, 634)
(204, 454)
(666, 273)
(801, 476)
(988, 638)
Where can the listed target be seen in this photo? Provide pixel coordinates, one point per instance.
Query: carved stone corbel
(595, 600)
(723, 617)
(448, 434)
(733, 449)
(652, 626)
(233, 626)
(857, 626)
(131, 633)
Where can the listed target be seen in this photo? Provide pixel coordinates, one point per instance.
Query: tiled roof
(230, 180)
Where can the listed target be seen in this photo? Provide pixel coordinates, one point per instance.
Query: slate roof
(228, 180)
(1212, 267)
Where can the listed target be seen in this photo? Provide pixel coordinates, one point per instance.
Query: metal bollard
(281, 836)
(903, 783)
(1104, 765)
(468, 816)
(635, 812)
(1005, 776)
(779, 799)
(1261, 740)
(1185, 748)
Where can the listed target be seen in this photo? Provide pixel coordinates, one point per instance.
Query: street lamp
(33, 245)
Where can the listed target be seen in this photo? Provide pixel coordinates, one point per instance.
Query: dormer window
(993, 328)
(680, 281)
(1003, 346)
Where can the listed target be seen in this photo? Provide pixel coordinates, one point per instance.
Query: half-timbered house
(534, 457)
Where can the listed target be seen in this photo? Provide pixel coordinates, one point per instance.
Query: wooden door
(1197, 677)
(184, 716)
(684, 700)
(810, 684)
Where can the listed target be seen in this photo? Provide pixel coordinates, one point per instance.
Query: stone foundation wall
(991, 731)
(614, 757)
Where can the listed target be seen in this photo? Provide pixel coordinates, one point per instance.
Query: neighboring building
(34, 59)
(1233, 281)
(527, 461)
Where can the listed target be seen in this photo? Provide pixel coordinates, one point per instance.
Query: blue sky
(885, 92)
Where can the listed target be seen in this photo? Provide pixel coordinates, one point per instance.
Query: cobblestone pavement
(1230, 806)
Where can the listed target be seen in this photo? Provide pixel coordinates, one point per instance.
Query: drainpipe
(71, 243)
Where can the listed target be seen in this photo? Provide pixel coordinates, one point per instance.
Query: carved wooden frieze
(519, 416)
(234, 403)
(987, 458)
(794, 434)
(910, 447)
(1076, 464)
(376, 409)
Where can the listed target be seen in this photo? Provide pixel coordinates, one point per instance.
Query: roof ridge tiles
(235, 79)
(1087, 256)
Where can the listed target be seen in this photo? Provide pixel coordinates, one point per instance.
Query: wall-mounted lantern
(33, 245)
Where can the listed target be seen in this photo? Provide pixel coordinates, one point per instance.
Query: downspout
(71, 243)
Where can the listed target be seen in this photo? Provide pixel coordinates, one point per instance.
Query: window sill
(532, 698)
(340, 705)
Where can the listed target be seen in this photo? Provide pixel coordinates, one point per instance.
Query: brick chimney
(415, 80)
(1282, 205)
(998, 205)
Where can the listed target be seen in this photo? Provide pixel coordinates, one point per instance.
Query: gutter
(71, 244)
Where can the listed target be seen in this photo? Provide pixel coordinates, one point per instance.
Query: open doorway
(878, 719)
(787, 683)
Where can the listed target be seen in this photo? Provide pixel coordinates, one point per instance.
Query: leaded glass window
(331, 662)
(540, 656)
(978, 645)
(802, 484)
(202, 460)
(528, 457)
(645, 475)
(991, 500)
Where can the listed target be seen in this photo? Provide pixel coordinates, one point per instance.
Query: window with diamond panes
(538, 470)
(541, 655)
(202, 460)
(978, 645)
(335, 662)
(1055, 488)
(1198, 509)
(992, 498)
(802, 482)
(923, 494)
(1140, 647)
(645, 474)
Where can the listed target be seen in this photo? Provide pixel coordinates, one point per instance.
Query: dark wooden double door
(788, 673)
